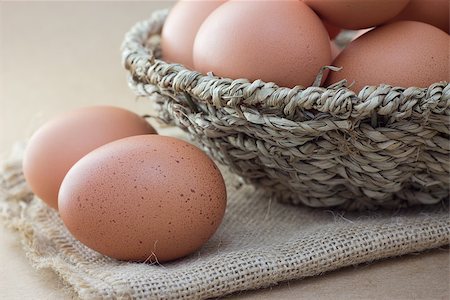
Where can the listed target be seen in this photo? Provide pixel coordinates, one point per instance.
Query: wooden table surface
(57, 55)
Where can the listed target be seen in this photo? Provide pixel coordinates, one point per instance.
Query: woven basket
(384, 147)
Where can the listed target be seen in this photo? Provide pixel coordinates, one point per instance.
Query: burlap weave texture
(260, 242)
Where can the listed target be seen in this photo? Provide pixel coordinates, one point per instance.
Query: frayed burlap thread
(259, 243)
(383, 147)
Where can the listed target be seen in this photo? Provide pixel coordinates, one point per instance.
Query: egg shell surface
(357, 14)
(60, 143)
(283, 42)
(434, 12)
(143, 198)
(180, 28)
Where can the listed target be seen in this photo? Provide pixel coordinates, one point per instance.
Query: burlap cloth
(260, 242)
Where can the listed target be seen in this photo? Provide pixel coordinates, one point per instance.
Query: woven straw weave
(386, 146)
(258, 244)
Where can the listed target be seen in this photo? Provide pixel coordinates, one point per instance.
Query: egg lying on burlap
(60, 143)
(143, 198)
(404, 54)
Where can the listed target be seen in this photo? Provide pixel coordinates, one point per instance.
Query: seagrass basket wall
(382, 147)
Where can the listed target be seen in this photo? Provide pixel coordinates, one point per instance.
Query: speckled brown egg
(143, 198)
(62, 141)
(404, 54)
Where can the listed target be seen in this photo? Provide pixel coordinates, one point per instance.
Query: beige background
(55, 56)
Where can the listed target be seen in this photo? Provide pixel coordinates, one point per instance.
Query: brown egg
(404, 54)
(143, 198)
(357, 14)
(61, 142)
(434, 12)
(180, 28)
(276, 41)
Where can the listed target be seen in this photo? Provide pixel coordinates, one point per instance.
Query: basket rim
(145, 68)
